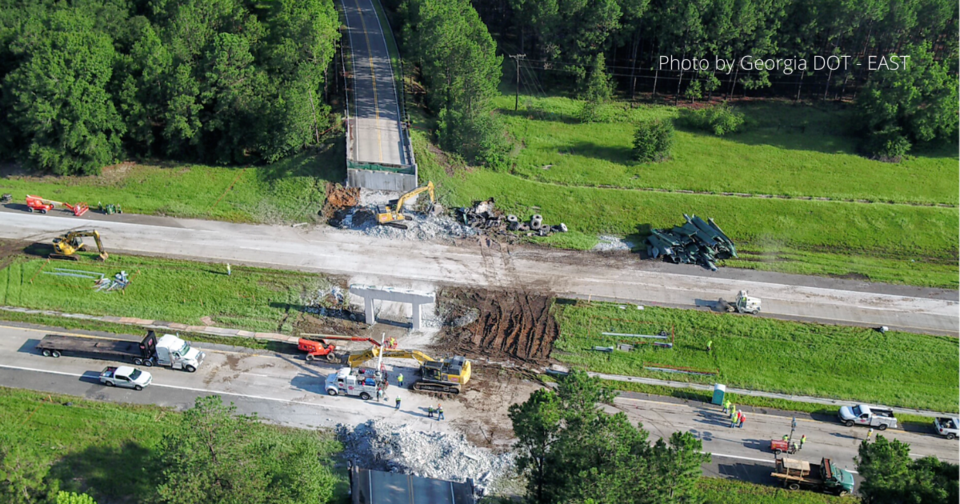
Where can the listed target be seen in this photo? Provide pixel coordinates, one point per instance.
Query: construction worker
(869, 433)
(803, 439)
(400, 380)
(796, 447)
(228, 269)
(786, 437)
(726, 406)
(429, 411)
(439, 412)
(393, 342)
(710, 346)
(379, 394)
(733, 409)
(742, 417)
(398, 402)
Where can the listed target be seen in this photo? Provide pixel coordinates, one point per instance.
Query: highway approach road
(620, 277)
(375, 129)
(285, 389)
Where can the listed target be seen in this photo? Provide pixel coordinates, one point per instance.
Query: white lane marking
(178, 387)
(767, 461)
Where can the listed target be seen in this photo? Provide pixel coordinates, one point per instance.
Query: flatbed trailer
(55, 345)
(169, 350)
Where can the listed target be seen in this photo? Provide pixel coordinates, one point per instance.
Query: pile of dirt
(339, 198)
(516, 326)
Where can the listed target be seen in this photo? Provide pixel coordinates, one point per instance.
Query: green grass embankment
(896, 369)
(105, 450)
(784, 149)
(288, 191)
(177, 291)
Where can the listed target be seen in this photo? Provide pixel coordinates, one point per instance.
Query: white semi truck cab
(175, 353)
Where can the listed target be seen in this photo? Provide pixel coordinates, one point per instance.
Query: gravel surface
(381, 446)
(608, 243)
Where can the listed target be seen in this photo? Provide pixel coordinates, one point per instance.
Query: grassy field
(103, 449)
(178, 291)
(896, 369)
(890, 243)
(724, 491)
(288, 191)
(785, 149)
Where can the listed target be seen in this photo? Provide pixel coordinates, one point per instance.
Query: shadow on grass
(538, 114)
(108, 473)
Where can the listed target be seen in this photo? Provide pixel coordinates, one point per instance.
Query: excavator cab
(66, 246)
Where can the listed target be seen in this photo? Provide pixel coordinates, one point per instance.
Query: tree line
(561, 38)
(89, 82)
(211, 455)
(459, 65)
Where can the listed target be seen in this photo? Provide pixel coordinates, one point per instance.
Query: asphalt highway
(376, 135)
(415, 264)
(285, 389)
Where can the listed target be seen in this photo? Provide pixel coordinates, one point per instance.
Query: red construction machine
(317, 346)
(38, 204)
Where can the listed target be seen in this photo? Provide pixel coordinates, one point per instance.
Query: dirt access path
(410, 264)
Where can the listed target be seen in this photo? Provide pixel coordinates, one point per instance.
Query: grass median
(895, 369)
(187, 292)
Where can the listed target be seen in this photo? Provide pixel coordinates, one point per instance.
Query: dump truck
(871, 416)
(824, 477)
(362, 382)
(743, 304)
(168, 350)
(947, 427)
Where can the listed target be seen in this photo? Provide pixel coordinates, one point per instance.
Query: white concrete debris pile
(419, 227)
(402, 449)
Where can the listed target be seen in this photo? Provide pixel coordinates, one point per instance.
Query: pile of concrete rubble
(696, 242)
(402, 449)
(419, 227)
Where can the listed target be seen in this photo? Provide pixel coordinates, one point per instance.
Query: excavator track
(422, 386)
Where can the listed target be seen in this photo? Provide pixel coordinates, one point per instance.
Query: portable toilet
(719, 392)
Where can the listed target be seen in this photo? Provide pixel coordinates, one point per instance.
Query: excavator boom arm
(357, 359)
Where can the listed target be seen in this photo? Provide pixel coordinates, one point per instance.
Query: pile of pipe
(485, 215)
(696, 242)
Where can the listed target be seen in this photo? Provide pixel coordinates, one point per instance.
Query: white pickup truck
(125, 376)
(947, 427)
(870, 416)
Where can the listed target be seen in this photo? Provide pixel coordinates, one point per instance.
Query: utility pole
(516, 101)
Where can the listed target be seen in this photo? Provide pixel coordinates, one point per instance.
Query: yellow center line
(373, 75)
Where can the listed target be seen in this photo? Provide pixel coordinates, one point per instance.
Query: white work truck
(870, 416)
(362, 382)
(947, 427)
(126, 377)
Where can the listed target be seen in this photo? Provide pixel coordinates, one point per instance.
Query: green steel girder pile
(696, 242)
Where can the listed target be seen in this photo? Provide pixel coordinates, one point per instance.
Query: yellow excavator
(67, 245)
(447, 375)
(392, 212)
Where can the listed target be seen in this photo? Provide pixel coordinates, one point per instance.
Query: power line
(517, 58)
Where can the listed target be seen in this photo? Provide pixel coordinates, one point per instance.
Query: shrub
(719, 120)
(652, 141)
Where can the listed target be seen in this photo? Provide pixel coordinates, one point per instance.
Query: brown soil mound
(504, 324)
(340, 198)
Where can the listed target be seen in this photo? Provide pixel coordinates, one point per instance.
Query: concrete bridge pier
(371, 293)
